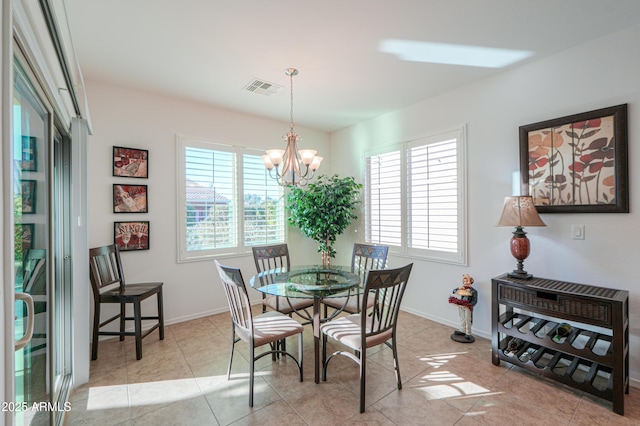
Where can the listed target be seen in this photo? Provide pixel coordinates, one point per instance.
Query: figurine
(465, 297)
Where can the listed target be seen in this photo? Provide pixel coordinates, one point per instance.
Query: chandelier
(293, 167)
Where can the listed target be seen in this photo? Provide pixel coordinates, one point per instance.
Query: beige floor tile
(183, 380)
(279, 412)
(192, 411)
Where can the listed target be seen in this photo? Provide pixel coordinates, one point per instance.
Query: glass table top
(308, 282)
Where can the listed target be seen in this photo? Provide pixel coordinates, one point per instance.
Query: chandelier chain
(291, 109)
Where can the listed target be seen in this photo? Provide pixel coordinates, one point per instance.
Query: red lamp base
(520, 249)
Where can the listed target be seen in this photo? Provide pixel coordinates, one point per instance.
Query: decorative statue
(465, 297)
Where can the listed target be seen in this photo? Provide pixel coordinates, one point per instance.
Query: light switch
(577, 232)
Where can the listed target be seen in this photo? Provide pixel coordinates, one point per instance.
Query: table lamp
(520, 211)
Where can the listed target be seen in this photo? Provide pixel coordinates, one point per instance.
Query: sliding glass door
(41, 186)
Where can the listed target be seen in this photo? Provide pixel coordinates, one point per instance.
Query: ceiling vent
(262, 87)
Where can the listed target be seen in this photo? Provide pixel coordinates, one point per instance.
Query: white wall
(590, 76)
(595, 75)
(130, 118)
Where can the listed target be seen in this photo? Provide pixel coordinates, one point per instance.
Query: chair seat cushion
(270, 327)
(347, 304)
(347, 331)
(284, 304)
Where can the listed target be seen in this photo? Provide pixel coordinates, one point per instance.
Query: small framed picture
(25, 233)
(131, 235)
(130, 162)
(130, 199)
(29, 154)
(28, 196)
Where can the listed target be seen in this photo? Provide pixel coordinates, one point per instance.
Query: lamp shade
(519, 211)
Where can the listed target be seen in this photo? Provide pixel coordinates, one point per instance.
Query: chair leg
(138, 328)
(96, 329)
(324, 357)
(252, 363)
(396, 364)
(123, 312)
(160, 314)
(363, 376)
(300, 354)
(233, 345)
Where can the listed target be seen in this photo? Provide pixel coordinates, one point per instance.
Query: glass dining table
(315, 282)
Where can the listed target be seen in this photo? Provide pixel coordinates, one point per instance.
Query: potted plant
(324, 210)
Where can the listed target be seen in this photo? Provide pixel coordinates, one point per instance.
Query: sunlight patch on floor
(166, 391)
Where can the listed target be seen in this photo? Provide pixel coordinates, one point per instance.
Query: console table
(576, 334)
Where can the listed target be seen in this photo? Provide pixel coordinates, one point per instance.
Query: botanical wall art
(29, 154)
(130, 162)
(24, 233)
(577, 163)
(130, 199)
(28, 196)
(131, 235)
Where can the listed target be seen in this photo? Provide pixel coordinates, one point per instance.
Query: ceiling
(358, 59)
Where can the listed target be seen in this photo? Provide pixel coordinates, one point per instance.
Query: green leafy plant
(324, 209)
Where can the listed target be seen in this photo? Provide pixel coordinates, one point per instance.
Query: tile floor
(182, 381)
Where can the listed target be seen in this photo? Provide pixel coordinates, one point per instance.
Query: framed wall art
(130, 199)
(578, 163)
(28, 196)
(131, 235)
(25, 233)
(29, 154)
(130, 162)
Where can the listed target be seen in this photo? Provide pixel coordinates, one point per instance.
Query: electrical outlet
(577, 232)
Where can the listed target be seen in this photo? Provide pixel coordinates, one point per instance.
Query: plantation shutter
(210, 193)
(263, 204)
(383, 196)
(433, 202)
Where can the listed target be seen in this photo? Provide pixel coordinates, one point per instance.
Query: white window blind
(264, 219)
(415, 197)
(210, 191)
(432, 176)
(383, 199)
(227, 201)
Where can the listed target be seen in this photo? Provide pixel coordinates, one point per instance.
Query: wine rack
(576, 334)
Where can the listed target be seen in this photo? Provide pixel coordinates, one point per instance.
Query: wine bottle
(562, 331)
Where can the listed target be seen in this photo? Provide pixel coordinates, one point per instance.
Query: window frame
(239, 249)
(459, 257)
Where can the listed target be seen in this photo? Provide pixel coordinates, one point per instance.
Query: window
(415, 197)
(228, 202)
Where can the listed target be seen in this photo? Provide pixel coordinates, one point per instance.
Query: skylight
(452, 54)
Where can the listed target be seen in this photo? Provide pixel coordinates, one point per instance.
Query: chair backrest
(271, 257)
(238, 299)
(386, 288)
(366, 257)
(105, 269)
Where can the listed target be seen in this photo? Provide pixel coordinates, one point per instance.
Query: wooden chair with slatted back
(108, 284)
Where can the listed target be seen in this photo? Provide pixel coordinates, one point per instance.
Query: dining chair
(372, 326)
(108, 284)
(272, 257)
(265, 329)
(364, 258)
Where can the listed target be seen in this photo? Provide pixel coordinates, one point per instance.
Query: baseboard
(444, 321)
